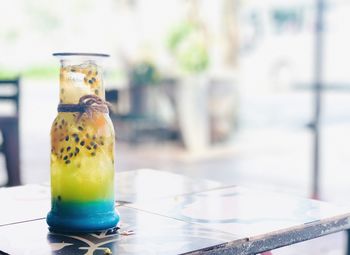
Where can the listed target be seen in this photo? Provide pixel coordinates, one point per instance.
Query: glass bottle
(82, 150)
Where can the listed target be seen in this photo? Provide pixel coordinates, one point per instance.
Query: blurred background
(223, 90)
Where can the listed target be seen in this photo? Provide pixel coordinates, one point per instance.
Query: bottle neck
(77, 80)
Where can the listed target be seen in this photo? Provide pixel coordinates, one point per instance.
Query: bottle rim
(84, 54)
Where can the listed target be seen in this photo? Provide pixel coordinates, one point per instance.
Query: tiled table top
(243, 212)
(172, 214)
(30, 202)
(153, 234)
(23, 203)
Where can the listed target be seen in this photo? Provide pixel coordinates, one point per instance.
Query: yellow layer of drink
(82, 160)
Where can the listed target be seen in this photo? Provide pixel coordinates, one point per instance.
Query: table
(164, 213)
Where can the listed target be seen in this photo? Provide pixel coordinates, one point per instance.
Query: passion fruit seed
(107, 251)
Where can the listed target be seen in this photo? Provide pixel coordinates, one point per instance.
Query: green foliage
(193, 55)
(188, 45)
(178, 34)
(8, 74)
(40, 72)
(35, 72)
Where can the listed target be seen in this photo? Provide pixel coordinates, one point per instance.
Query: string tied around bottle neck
(87, 104)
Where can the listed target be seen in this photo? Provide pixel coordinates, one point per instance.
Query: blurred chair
(112, 96)
(140, 121)
(9, 127)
